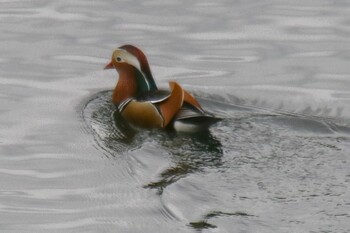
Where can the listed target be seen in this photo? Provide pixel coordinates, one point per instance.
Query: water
(277, 71)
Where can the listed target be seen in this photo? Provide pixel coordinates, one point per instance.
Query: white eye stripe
(125, 56)
(121, 55)
(132, 60)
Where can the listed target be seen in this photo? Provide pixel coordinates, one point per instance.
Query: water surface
(277, 71)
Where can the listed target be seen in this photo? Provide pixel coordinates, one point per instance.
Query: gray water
(277, 71)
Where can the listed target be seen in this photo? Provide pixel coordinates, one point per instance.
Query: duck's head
(130, 59)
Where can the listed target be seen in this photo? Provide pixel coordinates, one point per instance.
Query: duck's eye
(118, 59)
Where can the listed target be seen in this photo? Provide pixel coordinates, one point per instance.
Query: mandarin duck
(142, 104)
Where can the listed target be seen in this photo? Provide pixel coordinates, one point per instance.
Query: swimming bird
(142, 104)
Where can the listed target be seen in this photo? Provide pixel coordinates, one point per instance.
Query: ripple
(314, 54)
(41, 175)
(83, 222)
(78, 58)
(220, 59)
(44, 12)
(193, 154)
(147, 27)
(257, 33)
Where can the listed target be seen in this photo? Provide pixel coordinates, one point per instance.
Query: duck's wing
(157, 96)
(154, 96)
(167, 103)
(171, 105)
(191, 119)
(189, 99)
(175, 106)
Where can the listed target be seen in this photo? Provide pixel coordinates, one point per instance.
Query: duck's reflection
(190, 153)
